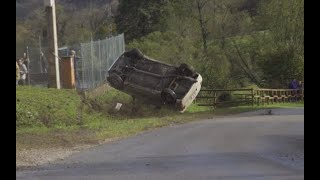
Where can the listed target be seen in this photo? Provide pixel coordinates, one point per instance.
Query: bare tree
(203, 21)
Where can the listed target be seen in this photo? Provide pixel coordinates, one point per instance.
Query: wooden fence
(237, 97)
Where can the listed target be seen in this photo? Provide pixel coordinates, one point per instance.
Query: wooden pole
(252, 97)
(53, 60)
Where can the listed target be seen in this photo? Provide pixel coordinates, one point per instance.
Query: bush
(225, 96)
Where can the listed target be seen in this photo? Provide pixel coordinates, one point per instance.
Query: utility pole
(28, 65)
(40, 55)
(53, 59)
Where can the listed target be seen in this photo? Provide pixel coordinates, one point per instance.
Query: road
(242, 147)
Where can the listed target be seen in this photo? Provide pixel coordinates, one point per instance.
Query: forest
(231, 43)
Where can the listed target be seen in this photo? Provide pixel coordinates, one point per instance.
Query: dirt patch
(37, 149)
(28, 158)
(34, 157)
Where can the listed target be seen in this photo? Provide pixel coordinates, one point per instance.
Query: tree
(138, 18)
(285, 51)
(167, 46)
(203, 22)
(23, 39)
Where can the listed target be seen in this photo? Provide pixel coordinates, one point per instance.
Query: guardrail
(263, 96)
(236, 97)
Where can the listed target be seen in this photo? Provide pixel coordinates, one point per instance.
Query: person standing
(300, 90)
(293, 84)
(300, 85)
(26, 62)
(43, 62)
(17, 73)
(75, 63)
(23, 71)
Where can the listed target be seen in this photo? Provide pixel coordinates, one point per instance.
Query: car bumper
(185, 102)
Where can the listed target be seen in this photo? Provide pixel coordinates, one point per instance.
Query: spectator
(43, 62)
(75, 63)
(23, 71)
(300, 89)
(293, 84)
(26, 61)
(17, 73)
(300, 85)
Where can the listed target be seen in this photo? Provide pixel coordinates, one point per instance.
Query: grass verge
(57, 118)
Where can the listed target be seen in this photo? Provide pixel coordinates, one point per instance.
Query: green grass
(38, 107)
(193, 108)
(49, 117)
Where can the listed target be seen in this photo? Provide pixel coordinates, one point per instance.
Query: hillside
(25, 7)
(266, 33)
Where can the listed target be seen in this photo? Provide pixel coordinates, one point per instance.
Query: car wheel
(185, 70)
(115, 81)
(168, 96)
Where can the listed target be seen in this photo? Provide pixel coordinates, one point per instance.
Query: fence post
(259, 95)
(252, 97)
(92, 83)
(215, 99)
(100, 61)
(28, 65)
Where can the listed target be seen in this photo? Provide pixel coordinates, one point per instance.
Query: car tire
(185, 70)
(168, 96)
(115, 81)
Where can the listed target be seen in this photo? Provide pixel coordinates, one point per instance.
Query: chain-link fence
(37, 66)
(92, 61)
(96, 58)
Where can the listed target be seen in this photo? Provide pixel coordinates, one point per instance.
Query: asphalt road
(246, 146)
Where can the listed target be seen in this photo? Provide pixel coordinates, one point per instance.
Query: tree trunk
(203, 25)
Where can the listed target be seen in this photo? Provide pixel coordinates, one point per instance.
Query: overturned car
(153, 81)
